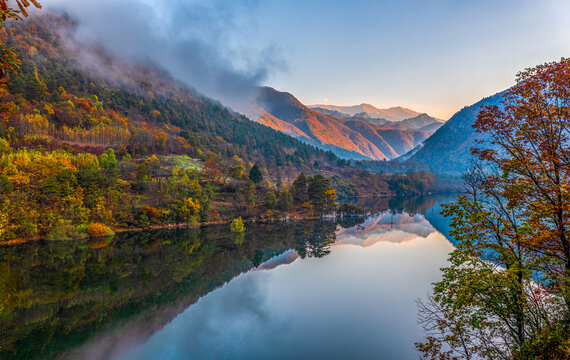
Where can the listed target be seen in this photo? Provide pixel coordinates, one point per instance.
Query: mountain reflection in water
(289, 290)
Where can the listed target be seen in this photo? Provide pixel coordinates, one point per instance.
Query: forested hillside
(68, 93)
(448, 149)
(90, 143)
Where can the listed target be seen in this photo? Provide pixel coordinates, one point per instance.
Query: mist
(197, 43)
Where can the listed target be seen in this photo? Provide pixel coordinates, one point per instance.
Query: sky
(431, 56)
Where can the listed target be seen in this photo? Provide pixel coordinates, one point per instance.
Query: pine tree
(255, 174)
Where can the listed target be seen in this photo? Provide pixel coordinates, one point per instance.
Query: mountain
(448, 149)
(396, 113)
(347, 136)
(364, 117)
(430, 128)
(96, 100)
(420, 121)
(327, 131)
(90, 143)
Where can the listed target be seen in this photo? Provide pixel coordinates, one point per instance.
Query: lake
(295, 290)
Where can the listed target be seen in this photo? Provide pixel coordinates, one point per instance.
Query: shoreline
(252, 219)
(20, 241)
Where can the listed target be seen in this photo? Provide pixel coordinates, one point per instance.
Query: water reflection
(57, 295)
(288, 290)
(356, 302)
(387, 227)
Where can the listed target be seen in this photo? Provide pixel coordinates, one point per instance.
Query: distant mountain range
(397, 113)
(448, 148)
(364, 132)
(356, 136)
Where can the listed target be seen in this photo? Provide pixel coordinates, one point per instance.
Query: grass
(182, 161)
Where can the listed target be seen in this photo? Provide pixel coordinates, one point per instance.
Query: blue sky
(433, 56)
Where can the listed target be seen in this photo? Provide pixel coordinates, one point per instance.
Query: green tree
(248, 193)
(108, 162)
(271, 200)
(318, 186)
(299, 189)
(285, 201)
(255, 174)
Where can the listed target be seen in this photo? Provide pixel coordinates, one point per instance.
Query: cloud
(199, 43)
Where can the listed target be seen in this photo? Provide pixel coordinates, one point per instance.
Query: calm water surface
(304, 290)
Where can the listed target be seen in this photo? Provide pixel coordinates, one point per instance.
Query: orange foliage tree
(506, 293)
(531, 135)
(8, 58)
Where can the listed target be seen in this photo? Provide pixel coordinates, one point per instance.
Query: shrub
(98, 230)
(237, 225)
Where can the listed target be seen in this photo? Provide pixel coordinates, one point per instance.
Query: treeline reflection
(57, 295)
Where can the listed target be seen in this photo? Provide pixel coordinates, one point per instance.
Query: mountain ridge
(394, 113)
(353, 137)
(448, 149)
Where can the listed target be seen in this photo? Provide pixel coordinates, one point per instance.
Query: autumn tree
(532, 151)
(237, 225)
(237, 171)
(212, 169)
(507, 291)
(8, 58)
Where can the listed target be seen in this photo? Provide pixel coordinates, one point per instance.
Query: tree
(187, 211)
(255, 174)
(212, 169)
(318, 185)
(4, 146)
(507, 291)
(285, 201)
(153, 165)
(299, 189)
(249, 193)
(237, 171)
(533, 132)
(8, 58)
(99, 230)
(7, 12)
(271, 200)
(108, 163)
